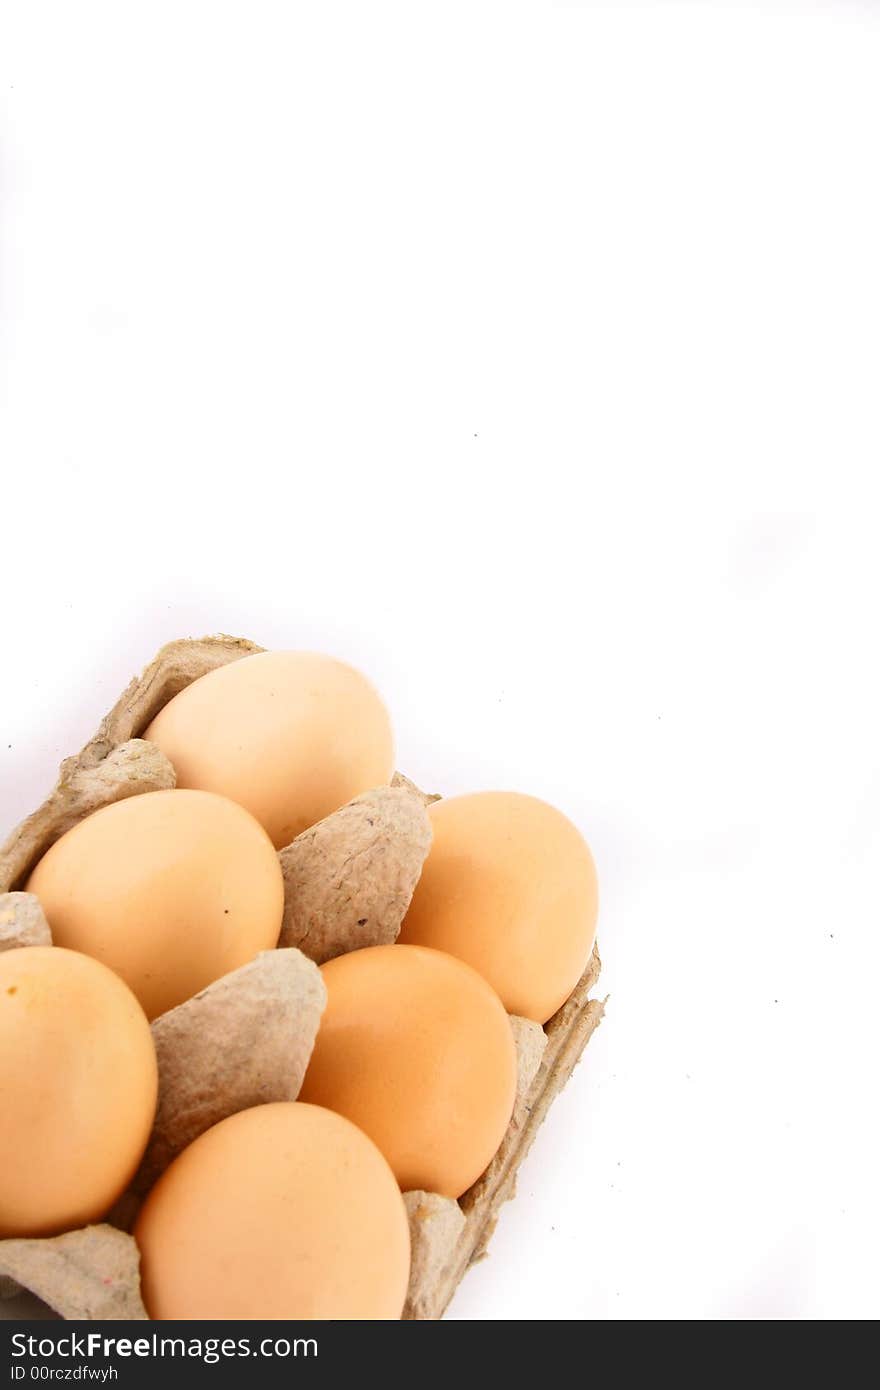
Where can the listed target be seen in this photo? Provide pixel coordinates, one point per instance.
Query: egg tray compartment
(93, 1273)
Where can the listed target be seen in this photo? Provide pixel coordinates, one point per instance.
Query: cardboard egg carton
(267, 1012)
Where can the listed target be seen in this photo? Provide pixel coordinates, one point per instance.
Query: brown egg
(417, 1050)
(282, 1212)
(290, 735)
(78, 1088)
(170, 889)
(509, 886)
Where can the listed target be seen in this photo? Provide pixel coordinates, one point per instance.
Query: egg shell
(78, 1082)
(509, 886)
(417, 1050)
(284, 1211)
(292, 736)
(171, 889)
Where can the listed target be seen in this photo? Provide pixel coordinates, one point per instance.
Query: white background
(525, 355)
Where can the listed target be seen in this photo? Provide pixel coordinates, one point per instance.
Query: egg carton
(268, 1011)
